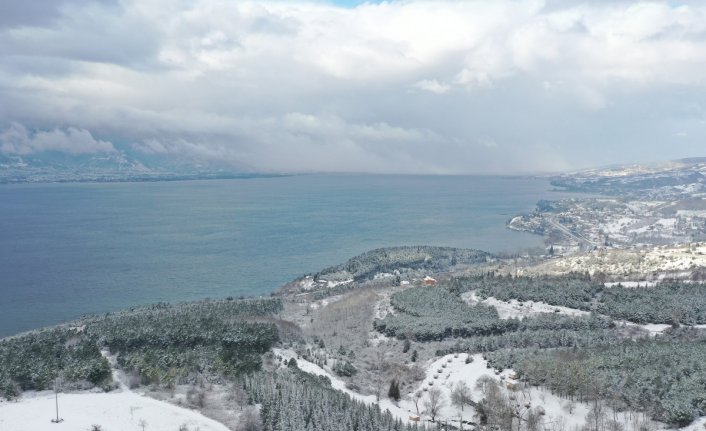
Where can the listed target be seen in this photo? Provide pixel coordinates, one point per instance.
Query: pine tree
(414, 356)
(394, 391)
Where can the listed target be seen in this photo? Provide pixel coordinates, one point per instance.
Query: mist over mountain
(118, 164)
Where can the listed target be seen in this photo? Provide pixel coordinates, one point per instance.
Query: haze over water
(72, 249)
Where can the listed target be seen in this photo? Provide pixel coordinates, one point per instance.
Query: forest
(402, 259)
(669, 302)
(292, 400)
(588, 358)
(434, 314)
(158, 344)
(35, 360)
(664, 378)
(426, 314)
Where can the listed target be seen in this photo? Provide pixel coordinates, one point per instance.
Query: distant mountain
(116, 166)
(693, 161)
(685, 176)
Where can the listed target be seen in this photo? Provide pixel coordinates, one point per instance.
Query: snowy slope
(116, 411)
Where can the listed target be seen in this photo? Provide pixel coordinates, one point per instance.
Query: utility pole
(56, 401)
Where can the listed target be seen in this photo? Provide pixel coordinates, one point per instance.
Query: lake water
(72, 249)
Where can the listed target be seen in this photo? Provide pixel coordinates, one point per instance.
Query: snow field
(516, 309)
(116, 411)
(454, 369)
(677, 260)
(513, 309)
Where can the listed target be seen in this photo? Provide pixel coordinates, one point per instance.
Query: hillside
(444, 337)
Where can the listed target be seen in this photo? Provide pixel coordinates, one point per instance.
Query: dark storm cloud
(19, 13)
(71, 31)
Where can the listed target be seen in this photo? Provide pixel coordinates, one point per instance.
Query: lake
(71, 249)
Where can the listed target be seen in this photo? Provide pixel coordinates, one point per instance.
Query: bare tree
(596, 391)
(596, 418)
(569, 407)
(613, 425)
(239, 396)
(495, 409)
(416, 397)
(533, 420)
(142, 424)
(378, 382)
(250, 420)
(434, 403)
(484, 383)
(460, 396)
(379, 367)
(196, 396)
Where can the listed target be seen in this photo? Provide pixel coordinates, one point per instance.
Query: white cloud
(263, 83)
(433, 86)
(17, 140)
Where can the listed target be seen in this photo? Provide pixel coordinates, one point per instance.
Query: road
(580, 238)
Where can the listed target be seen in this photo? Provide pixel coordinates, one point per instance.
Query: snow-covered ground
(447, 371)
(115, 411)
(309, 283)
(311, 368)
(121, 410)
(620, 224)
(691, 213)
(652, 328)
(454, 369)
(323, 303)
(697, 425)
(673, 260)
(382, 275)
(330, 283)
(655, 328)
(383, 307)
(631, 284)
(516, 309)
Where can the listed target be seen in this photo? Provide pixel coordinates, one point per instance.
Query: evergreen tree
(394, 391)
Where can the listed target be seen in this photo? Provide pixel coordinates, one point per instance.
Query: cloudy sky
(401, 86)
